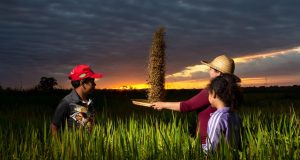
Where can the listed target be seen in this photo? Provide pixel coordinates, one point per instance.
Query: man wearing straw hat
(200, 103)
(76, 109)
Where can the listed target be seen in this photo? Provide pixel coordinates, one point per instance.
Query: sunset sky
(48, 38)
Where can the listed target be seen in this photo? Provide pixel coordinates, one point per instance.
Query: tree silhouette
(156, 67)
(47, 83)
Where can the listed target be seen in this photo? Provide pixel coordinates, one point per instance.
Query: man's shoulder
(66, 100)
(71, 97)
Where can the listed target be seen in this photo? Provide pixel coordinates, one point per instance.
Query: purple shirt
(223, 122)
(201, 105)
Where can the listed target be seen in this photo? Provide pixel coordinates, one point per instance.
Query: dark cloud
(43, 37)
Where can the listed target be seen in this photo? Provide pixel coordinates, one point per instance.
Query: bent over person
(77, 109)
(199, 103)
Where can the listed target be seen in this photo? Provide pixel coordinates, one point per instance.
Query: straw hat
(221, 63)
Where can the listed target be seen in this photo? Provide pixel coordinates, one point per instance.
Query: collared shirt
(225, 123)
(201, 105)
(75, 111)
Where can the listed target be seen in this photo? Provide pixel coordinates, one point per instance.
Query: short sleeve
(60, 114)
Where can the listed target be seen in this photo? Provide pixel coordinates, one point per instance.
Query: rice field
(123, 131)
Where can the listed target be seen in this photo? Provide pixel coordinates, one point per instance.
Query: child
(225, 96)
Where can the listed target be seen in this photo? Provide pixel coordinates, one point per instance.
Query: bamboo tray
(141, 102)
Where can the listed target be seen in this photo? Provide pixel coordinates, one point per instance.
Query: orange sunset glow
(246, 81)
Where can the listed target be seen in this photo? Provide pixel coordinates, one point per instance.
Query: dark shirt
(201, 105)
(74, 111)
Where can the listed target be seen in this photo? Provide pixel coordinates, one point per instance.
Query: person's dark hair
(76, 84)
(227, 88)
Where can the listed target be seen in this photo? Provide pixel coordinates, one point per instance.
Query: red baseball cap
(83, 71)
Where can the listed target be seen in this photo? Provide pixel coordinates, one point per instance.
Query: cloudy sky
(48, 38)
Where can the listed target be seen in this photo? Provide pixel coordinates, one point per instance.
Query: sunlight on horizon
(246, 81)
(188, 82)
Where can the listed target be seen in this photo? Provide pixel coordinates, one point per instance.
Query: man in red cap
(76, 109)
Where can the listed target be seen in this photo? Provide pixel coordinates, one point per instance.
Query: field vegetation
(124, 131)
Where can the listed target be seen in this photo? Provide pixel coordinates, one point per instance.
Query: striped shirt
(225, 123)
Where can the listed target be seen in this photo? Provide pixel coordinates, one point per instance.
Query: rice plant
(270, 131)
(265, 136)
